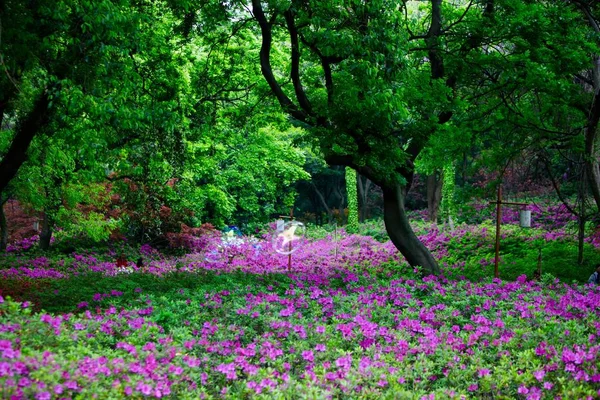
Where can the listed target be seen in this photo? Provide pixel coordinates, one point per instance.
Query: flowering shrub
(192, 239)
(375, 338)
(23, 244)
(348, 320)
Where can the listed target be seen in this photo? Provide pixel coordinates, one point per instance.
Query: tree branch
(459, 20)
(295, 72)
(26, 130)
(265, 63)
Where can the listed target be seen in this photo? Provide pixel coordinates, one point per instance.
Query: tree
(371, 90)
(590, 83)
(85, 79)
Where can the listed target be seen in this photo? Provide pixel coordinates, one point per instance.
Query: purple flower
(483, 372)
(344, 362)
(539, 375)
(308, 356)
(523, 390)
(144, 388)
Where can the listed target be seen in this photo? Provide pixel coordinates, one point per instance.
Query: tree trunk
(581, 218)
(401, 233)
(25, 132)
(591, 140)
(322, 199)
(3, 228)
(434, 195)
(46, 232)
(580, 238)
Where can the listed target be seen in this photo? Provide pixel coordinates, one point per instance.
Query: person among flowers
(595, 277)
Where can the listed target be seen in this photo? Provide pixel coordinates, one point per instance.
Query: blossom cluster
(346, 320)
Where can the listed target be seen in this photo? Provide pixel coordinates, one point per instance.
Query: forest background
(150, 120)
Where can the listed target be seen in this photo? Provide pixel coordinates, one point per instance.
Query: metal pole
(335, 240)
(498, 221)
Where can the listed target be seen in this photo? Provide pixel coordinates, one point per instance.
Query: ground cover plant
(132, 131)
(349, 320)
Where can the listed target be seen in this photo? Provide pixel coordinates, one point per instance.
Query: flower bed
(343, 335)
(351, 323)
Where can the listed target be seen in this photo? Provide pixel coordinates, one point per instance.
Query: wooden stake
(499, 203)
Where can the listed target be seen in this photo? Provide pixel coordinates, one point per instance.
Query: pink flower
(539, 375)
(344, 362)
(308, 356)
(483, 372)
(523, 390)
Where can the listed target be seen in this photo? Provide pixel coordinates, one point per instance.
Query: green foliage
(352, 194)
(93, 226)
(448, 192)
(63, 295)
(241, 175)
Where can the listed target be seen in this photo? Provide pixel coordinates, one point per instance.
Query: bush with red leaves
(192, 239)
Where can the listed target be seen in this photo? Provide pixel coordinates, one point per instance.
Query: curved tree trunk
(401, 233)
(26, 130)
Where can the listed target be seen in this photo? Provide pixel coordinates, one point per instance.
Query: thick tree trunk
(25, 132)
(3, 228)
(591, 152)
(46, 233)
(591, 137)
(401, 233)
(434, 195)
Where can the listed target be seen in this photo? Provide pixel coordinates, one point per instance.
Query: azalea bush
(339, 334)
(349, 319)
